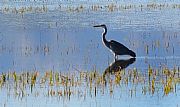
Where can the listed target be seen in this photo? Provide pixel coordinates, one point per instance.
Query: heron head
(103, 26)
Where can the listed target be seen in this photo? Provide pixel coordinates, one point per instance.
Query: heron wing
(118, 48)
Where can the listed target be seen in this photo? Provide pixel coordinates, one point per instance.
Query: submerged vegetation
(81, 83)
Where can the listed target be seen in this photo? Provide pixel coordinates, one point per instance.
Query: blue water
(61, 39)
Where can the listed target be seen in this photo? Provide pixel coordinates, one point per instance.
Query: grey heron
(116, 47)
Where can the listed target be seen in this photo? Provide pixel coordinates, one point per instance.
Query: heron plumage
(116, 47)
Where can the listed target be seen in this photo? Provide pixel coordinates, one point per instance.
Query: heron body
(116, 47)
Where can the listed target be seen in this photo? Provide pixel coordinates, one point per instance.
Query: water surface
(60, 37)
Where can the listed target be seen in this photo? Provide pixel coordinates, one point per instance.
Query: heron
(115, 47)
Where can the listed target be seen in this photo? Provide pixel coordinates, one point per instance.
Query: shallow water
(62, 38)
(65, 40)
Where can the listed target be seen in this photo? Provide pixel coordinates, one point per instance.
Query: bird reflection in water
(117, 66)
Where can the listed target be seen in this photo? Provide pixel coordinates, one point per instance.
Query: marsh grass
(75, 84)
(109, 7)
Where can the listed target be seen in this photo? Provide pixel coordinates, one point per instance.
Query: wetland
(51, 55)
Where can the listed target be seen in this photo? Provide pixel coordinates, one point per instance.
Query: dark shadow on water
(119, 65)
(116, 66)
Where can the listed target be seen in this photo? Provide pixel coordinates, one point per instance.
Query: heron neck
(104, 37)
(105, 31)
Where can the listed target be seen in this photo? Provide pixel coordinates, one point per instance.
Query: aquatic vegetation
(54, 53)
(110, 7)
(68, 84)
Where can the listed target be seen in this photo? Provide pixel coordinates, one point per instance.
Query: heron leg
(115, 57)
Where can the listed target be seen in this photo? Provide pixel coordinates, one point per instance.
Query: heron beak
(97, 26)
